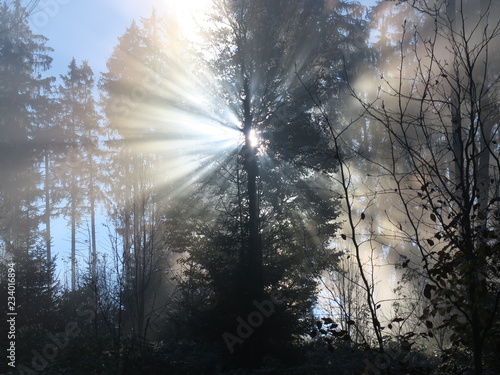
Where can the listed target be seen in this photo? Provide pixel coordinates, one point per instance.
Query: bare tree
(440, 114)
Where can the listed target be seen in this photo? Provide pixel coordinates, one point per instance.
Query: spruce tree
(23, 98)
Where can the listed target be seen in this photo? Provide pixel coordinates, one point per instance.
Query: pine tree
(23, 59)
(257, 223)
(133, 93)
(77, 171)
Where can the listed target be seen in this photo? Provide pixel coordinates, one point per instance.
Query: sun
(190, 15)
(253, 138)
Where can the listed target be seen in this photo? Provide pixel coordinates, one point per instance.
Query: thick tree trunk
(254, 248)
(252, 169)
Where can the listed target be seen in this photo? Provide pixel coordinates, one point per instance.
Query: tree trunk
(73, 234)
(485, 122)
(47, 208)
(92, 213)
(252, 169)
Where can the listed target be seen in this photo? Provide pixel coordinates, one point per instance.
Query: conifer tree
(23, 58)
(79, 124)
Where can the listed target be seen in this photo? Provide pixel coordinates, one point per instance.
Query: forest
(304, 187)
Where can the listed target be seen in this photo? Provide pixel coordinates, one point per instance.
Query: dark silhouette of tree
(264, 213)
(36, 302)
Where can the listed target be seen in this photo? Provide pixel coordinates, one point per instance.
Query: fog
(254, 187)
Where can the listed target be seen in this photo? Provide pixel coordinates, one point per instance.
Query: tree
(271, 212)
(134, 88)
(441, 117)
(79, 123)
(36, 301)
(21, 13)
(24, 93)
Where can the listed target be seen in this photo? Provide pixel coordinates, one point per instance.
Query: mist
(286, 187)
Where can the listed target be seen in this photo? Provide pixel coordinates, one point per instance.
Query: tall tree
(134, 92)
(79, 122)
(23, 57)
(270, 212)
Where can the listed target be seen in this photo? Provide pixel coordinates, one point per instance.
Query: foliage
(440, 115)
(23, 102)
(37, 300)
(240, 251)
(138, 201)
(75, 165)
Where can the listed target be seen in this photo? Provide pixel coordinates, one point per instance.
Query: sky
(89, 30)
